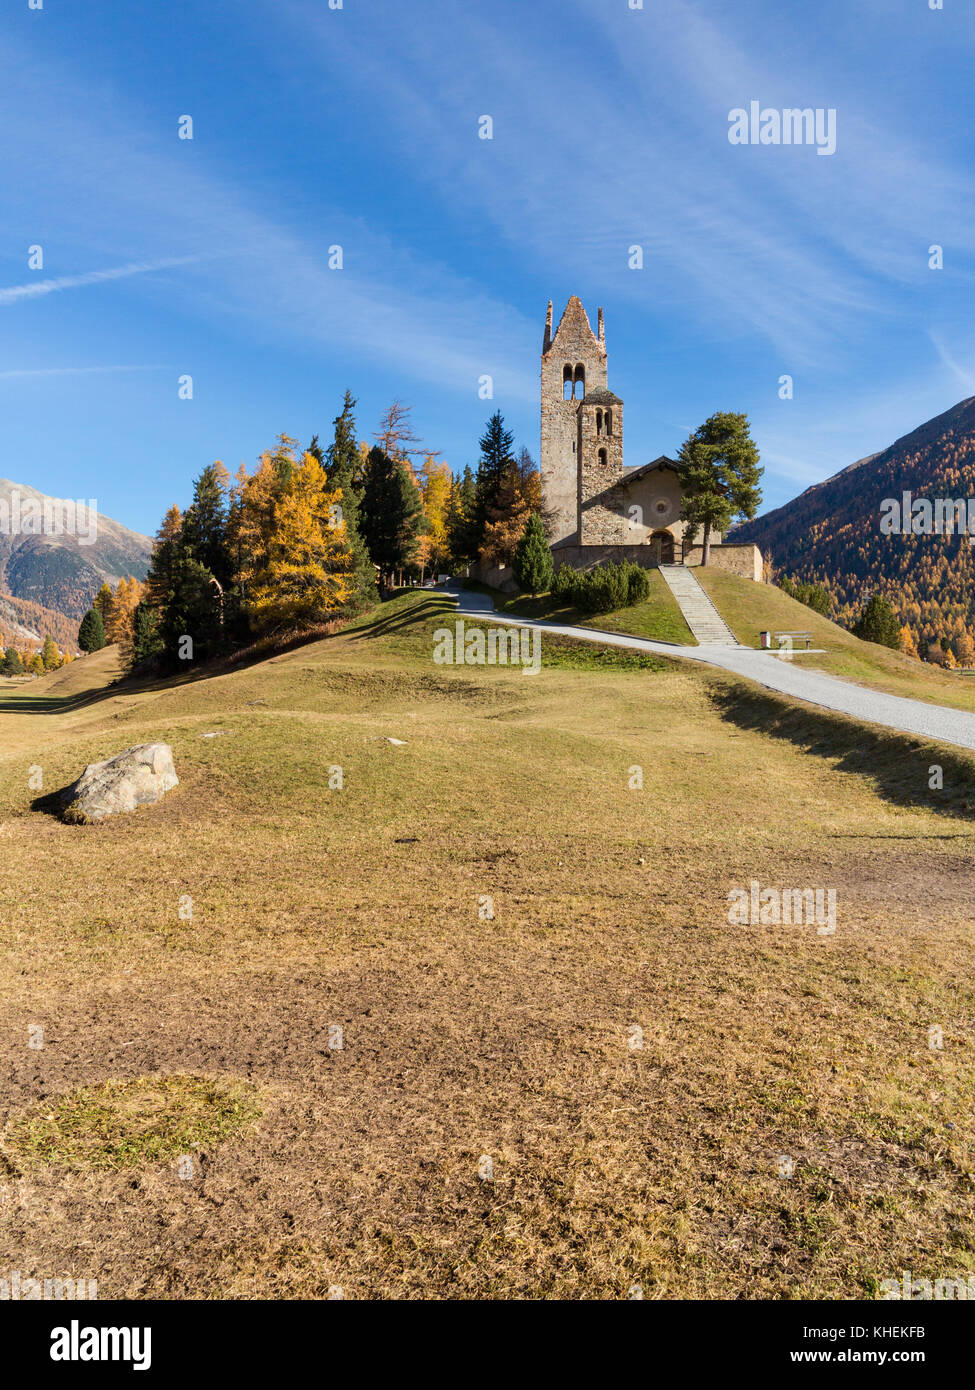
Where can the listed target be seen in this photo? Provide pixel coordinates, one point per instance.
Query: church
(595, 507)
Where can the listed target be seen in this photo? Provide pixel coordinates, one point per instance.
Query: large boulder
(121, 783)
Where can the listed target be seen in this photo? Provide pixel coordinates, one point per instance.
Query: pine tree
(12, 662)
(191, 611)
(343, 465)
(391, 516)
(35, 664)
(460, 522)
(494, 471)
(533, 559)
(878, 623)
(719, 474)
(167, 545)
(147, 644)
(50, 655)
(102, 602)
(91, 633)
(205, 522)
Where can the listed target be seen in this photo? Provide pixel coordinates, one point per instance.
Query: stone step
(700, 614)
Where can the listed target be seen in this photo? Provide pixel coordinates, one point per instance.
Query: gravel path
(785, 676)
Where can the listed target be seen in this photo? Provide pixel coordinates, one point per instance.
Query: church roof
(601, 395)
(663, 463)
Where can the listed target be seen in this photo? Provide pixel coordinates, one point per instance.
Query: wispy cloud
(12, 294)
(75, 371)
(965, 375)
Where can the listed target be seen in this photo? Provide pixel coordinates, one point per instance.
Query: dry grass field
(359, 916)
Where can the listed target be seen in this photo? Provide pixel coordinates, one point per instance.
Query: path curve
(786, 677)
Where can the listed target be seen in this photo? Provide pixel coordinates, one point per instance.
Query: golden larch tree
(309, 571)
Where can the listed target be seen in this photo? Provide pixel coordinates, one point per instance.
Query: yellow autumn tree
(121, 617)
(908, 642)
(435, 491)
(308, 570)
(253, 500)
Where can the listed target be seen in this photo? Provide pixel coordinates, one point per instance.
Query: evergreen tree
(147, 643)
(205, 522)
(35, 664)
(719, 474)
(343, 464)
(533, 559)
(102, 603)
(494, 471)
(91, 633)
(50, 655)
(391, 516)
(878, 623)
(460, 521)
(191, 611)
(168, 545)
(13, 664)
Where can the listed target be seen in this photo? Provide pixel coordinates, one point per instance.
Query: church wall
(602, 518)
(574, 345)
(658, 496)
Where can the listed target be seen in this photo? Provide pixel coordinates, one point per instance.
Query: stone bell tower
(573, 365)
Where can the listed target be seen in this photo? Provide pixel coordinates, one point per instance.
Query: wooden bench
(806, 637)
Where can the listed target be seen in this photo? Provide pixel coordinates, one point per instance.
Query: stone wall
(745, 560)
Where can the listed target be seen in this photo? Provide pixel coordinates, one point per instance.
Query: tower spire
(548, 329)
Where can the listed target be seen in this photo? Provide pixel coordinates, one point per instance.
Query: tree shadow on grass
(150, 683)
(406, 618)
(900, 766)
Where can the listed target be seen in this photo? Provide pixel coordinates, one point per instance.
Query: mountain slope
(61, 572)
(831, 533)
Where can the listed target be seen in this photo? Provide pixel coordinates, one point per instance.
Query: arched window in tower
(580, 378)
(609, 422)
(602, 458)
(599, 422)
(568, 390)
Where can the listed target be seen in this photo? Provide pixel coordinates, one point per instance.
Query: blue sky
(359, 127)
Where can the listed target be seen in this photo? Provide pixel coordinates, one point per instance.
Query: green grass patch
(659, 618)
(127, 1124)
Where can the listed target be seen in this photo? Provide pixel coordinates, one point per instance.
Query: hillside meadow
(474, 1024)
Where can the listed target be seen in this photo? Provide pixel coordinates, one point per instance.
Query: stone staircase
(700, 614)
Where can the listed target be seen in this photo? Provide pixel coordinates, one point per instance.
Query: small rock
(398, 742)
(138, 775)
(216, 733)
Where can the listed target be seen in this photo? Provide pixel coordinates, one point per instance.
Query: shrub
(564, 583)
(533, 559)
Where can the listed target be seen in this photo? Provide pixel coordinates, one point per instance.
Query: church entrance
(662, 543)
